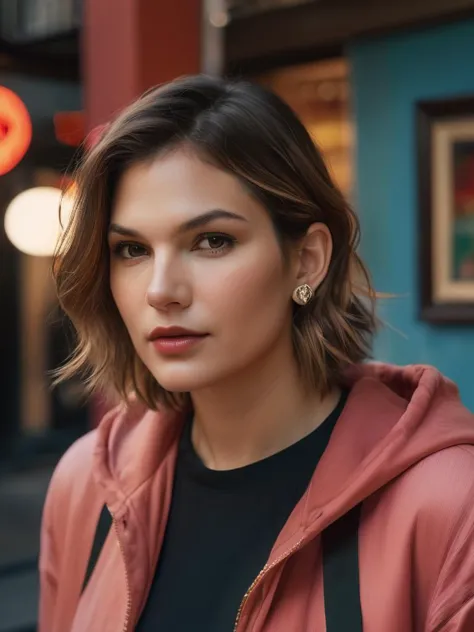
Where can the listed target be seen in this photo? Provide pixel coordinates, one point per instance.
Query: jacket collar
(394, 417)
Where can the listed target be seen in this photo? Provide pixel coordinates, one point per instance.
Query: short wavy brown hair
(249, 132)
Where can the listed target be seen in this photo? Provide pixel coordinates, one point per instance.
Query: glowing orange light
(15, 130)
(70, 127)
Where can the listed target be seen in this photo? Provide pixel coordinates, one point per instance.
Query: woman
(260, 475)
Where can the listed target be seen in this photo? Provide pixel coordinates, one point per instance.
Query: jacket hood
(394, 417)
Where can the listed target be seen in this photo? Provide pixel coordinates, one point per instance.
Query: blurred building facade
(39, 63)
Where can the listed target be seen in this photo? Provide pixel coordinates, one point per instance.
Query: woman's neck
(255, 415)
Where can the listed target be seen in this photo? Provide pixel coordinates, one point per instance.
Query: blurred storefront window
(319, 94)
(23, 20)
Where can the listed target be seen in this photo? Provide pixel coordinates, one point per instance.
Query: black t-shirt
(221, 529)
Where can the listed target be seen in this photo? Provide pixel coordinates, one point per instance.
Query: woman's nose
(168, 287)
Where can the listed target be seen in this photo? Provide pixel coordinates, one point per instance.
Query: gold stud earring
(303, 294)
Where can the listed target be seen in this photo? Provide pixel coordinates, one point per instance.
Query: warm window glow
(33, 222)
(319, 93)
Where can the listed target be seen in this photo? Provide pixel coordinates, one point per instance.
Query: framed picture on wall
(446, 209)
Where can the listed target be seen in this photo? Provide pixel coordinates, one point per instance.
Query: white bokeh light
(32, 220)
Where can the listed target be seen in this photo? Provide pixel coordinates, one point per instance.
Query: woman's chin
(179, 382)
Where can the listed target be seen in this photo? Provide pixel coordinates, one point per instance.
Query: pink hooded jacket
(404, 445)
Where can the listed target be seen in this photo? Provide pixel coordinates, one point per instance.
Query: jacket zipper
(127, 581)
(260, 576)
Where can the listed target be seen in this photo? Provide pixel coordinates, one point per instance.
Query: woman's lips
(176, 345)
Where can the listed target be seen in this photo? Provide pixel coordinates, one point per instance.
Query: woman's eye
(129, 251)
(214, 242)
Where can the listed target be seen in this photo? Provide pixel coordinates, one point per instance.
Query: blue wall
(388, 76)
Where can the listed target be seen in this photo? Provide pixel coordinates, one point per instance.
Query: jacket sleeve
(462, 620)
(48, 562)
(69, 494)
(452, 604)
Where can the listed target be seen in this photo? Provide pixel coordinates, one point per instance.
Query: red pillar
(127, 47)
(131, 45)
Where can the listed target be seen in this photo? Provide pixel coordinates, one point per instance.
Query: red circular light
(15, 130)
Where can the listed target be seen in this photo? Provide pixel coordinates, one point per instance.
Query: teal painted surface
(389, 76)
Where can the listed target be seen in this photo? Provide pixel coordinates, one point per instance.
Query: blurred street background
(387, 92)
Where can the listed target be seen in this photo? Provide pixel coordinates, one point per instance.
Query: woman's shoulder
(74, 470)
(430, 507)
(425, 516)
(72, 476)
(77, 459)
(110, 461)
(72, 481)
(440, 486)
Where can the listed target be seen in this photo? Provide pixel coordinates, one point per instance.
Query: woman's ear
(315, 253)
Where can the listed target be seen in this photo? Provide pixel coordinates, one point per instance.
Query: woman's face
(191, 249)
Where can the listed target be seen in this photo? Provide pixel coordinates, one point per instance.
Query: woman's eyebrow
(123, 230)
(209, 216)
(191, 224)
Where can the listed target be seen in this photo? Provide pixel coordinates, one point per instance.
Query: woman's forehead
(178, 187)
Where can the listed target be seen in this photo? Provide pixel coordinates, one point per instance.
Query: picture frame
(445, 144)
